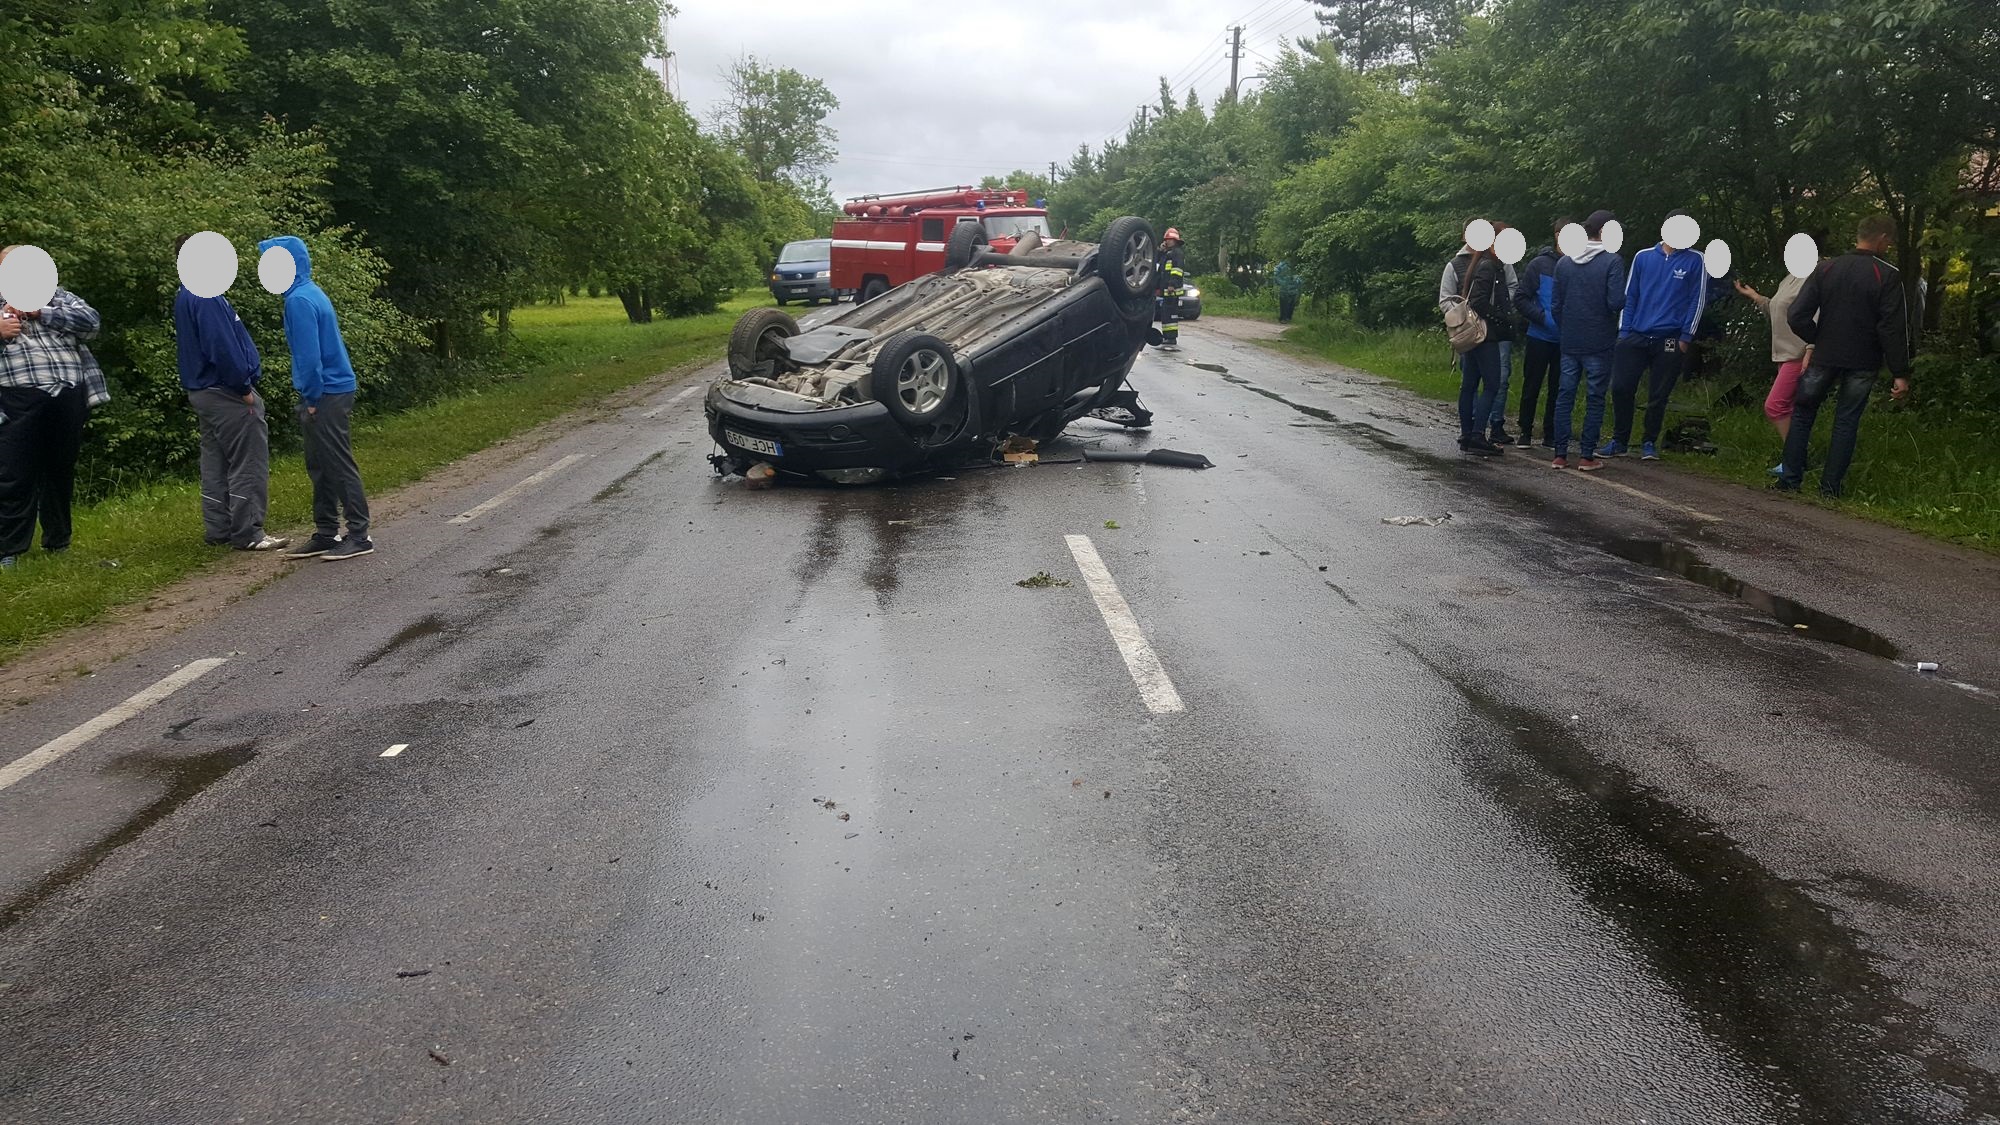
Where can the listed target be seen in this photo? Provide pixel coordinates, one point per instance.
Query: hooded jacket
(1535, 296)
(1863, 321)
(320, 366)
(1589, 294)
(1665, 294)
(215, 349)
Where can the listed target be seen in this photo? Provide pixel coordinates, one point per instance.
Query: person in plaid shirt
(49, 382)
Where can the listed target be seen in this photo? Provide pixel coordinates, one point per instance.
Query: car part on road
(1415, 521)
(1173, 457)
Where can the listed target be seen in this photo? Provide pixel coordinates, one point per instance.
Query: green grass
(568, 356)
(1930, 470)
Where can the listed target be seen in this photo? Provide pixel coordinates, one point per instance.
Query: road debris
(1111, 525)
(1926, 666)
(761, 475)
(1018, 450)
(438, 1057)
(1171, 457)
(411, 974)
(1415, 521)
(1042, 581)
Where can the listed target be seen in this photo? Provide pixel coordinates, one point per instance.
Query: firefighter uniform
(1172, 272)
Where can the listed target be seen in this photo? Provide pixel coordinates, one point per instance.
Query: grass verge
(1928, 469)
(135, 543)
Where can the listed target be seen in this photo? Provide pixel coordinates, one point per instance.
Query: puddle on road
(618, 486)
(1769, 974)
(186, 777)
(1375, 434)
(1676, 558)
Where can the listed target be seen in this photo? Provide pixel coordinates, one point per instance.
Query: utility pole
(669, 74)
(1145, 113)
(1235, 58)
(1052, 173)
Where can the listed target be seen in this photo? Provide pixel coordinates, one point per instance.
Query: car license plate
(754, 445)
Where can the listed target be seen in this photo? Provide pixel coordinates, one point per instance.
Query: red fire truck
(887, 240)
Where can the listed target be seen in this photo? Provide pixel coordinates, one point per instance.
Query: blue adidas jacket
(215, 350)
(1665, 296)
(320, 366)
(1589, 292)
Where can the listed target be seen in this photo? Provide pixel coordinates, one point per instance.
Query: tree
(1375, 33)
(775, 118)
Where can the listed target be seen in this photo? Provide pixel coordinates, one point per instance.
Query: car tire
(782, 302)
(916, 378)
(750, 352)
(964, 244)
(873, 289)
(1127, 258)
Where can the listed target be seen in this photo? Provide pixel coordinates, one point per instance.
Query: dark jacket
(1863, 324)
(1488, 292)
(1589, 295)
(1172, 269)
(215, 349)
(1535, 295)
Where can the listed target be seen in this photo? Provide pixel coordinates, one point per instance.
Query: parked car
(1190, 305)
(804, 272)
(942, 370)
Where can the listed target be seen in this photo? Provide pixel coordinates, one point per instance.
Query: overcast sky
(935, 93)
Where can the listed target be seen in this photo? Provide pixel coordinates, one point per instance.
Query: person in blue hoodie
(1534, 299)
(1664, 299)
(219, 368)
(324, 378)
(1588, 295)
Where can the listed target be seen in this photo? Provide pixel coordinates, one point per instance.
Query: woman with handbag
(1477, 289)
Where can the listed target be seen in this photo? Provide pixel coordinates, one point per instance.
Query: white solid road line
(674, 401)
(1596, 478)
(1154, 685)
(394, 750)
(63, 744)
(516, 490)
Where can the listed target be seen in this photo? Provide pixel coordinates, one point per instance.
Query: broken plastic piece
(1415, 521)
(761, 475)
(1926, 666)
(1173, 457)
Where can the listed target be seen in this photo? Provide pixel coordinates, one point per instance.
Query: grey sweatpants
(235, 466)
(336, 479)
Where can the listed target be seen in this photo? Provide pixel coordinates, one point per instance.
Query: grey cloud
(934, 93)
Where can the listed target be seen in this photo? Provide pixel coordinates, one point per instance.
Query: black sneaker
(317, 545)
(349, 548)
(1500, 436)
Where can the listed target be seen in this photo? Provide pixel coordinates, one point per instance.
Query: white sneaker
(268, 543)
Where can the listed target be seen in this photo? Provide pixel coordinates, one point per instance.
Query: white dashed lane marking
(674, 401)
(1156, 688)
(516, 490)
(55, 748)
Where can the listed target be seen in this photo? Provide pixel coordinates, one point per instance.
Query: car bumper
(821, 290)
(811, 442)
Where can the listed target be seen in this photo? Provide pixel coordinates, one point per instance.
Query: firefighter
(1173, 285)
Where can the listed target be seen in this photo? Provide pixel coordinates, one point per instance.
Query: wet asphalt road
(793, 807)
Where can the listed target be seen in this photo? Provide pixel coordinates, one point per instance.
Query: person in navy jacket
(1534, 299)
(219, 368)
(1665, 295)
(1589, 292)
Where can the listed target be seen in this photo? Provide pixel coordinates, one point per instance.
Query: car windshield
(816, 250)
(1014, 226)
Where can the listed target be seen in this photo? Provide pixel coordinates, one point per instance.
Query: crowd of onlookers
(1594, 324)
(49, 382)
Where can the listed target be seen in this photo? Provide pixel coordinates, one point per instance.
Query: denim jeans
(1596, 366)
(1854, 386)
(1479, 377)
(1659, 358)
(1541, 365)
(1499, 419)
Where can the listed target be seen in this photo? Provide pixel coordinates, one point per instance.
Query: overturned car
(942, 370)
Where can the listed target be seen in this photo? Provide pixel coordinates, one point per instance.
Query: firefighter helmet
(1173, 235)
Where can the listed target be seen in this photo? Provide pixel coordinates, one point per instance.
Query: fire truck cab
(890, 240)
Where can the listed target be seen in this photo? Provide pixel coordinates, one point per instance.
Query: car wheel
(754, 350)
(965, 244)
(875, 288)
(1126, 258)
(916, 378)
(782, 302)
